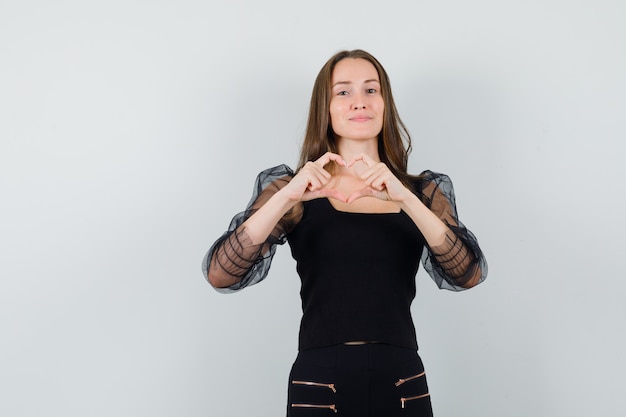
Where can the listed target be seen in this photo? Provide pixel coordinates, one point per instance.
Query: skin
(360, 182)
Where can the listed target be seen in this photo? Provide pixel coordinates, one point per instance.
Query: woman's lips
(360, 118)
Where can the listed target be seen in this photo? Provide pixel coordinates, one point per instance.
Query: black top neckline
(358, 213)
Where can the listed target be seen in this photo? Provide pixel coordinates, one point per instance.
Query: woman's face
(356, 104)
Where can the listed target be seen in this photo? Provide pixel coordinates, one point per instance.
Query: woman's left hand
(379, 182)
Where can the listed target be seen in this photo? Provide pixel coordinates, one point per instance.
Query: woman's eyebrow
(342, 83)
(374, 80)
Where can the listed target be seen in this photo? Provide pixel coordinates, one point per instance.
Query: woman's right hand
(313, 181)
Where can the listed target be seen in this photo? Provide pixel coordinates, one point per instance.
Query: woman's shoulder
(278, 173)
(428, 175)
(271, 180)
(429, 184)
(268, 175)
(428, 179)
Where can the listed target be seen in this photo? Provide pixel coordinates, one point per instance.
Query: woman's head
(394, 143)
(357, 108)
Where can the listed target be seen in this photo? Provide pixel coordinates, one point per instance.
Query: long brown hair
(394, 141)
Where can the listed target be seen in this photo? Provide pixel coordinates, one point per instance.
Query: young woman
(358, 225)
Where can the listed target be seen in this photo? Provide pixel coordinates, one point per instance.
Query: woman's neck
(349, 148)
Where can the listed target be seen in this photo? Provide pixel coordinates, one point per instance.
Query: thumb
(323, 193)
(363, 192)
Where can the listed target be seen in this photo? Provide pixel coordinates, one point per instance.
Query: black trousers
(367, 380)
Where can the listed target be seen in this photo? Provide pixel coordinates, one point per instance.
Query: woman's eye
(342, 93)
(371, 91)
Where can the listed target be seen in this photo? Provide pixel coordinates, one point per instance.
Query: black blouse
(357, 269)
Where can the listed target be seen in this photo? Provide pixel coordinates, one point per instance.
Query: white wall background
(131, 131)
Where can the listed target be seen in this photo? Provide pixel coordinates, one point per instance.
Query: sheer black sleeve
(458, 263)
(234, 257)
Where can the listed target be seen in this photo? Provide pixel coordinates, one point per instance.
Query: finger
(314, 183)
(337, 158)
(322, 178)
(363, 192)
(369, 162)
(378, 184)
(316, 178)
(380, 176)
(328, 157)
(376, 172)
(322, 193)
(313, 169)
(329, 192)
(377, 176)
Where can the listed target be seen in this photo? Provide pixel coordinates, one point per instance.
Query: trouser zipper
(329, 407)
(404, 400)
(403, 380)
(315, 384)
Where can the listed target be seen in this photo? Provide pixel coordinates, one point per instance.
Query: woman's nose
(359, 102)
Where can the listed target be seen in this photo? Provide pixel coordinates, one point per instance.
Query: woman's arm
(238, 252)
(452, 256)
(235, 261)
(242, 256)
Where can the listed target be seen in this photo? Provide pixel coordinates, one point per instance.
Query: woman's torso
(358, 275)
